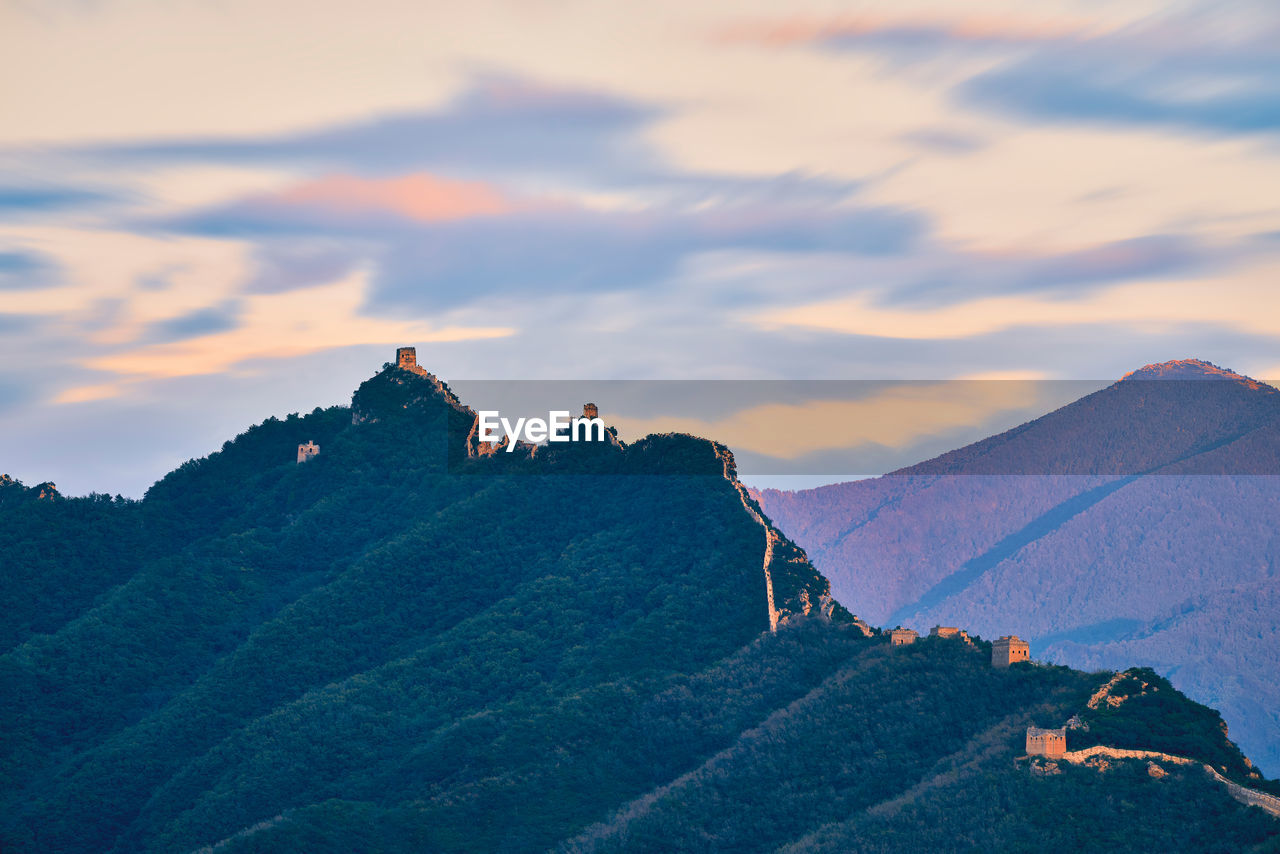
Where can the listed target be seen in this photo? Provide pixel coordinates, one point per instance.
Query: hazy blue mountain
(1134, 526)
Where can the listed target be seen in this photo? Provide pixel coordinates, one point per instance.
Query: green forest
(400, 646)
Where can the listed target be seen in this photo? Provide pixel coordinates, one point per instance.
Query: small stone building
(1046, 742)
(902, 637)
(307, 451)
(1009, 650)
(950, 632)
(590, 410)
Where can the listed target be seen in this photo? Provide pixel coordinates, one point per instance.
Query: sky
(212, 212)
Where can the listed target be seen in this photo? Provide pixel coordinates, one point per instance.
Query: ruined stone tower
(1009, 650)
(902, 637)
(950, 632)
(1046, 742)
(307, 451)
(590, 410)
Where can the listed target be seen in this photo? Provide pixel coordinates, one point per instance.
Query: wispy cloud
(922, 191)
(563, 249)
(497, 126)
(419, 196)
(277, 326)
(16, 391)
(1159, 304)
(904, 30)
(298, 261)
(196, 324)
(25, 270)
(942, 140)
(965, 276)
(30, 199)
(435, 239)
(1188, 71)
(1105, 84)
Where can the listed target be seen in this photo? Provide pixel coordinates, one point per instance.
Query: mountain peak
(403, 388)
(15, 488)
(1188, 369)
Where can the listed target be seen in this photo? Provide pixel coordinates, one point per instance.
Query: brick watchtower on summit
(1009, 649)
(407, 360)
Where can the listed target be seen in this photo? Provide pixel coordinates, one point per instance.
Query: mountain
(1134, 526)
(407, 642)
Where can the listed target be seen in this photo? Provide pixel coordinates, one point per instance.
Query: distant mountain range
(1134, 526)
(401, 643)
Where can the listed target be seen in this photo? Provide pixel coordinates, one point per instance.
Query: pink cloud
(419, 196)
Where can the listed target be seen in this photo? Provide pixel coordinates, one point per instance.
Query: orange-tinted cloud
(894, 418)
(1155, 304)
(277, 326)
(421, 197)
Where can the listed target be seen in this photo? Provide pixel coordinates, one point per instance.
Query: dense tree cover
(1146, 713)
(995, 808)
(1135, 526)
(60, 554)
(400, 647)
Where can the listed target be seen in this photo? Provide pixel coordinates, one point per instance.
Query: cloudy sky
(215, 211)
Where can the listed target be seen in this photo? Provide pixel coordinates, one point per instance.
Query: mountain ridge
(1191, 369)
(396, 645)
(1094, 523)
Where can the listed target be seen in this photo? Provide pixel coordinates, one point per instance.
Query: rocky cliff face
(424, 404)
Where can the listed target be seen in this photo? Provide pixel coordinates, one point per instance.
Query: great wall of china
(1243, 794)
(406, 359)
(770, 537)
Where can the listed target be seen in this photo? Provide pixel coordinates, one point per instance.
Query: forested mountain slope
(1135, 526)
(406, 645)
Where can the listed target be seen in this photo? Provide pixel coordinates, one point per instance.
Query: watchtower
(590, 410)
(1046, 742)
(407, 358)
(1009, 650)
(950, 632)
(307, 451)
(902, 637)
